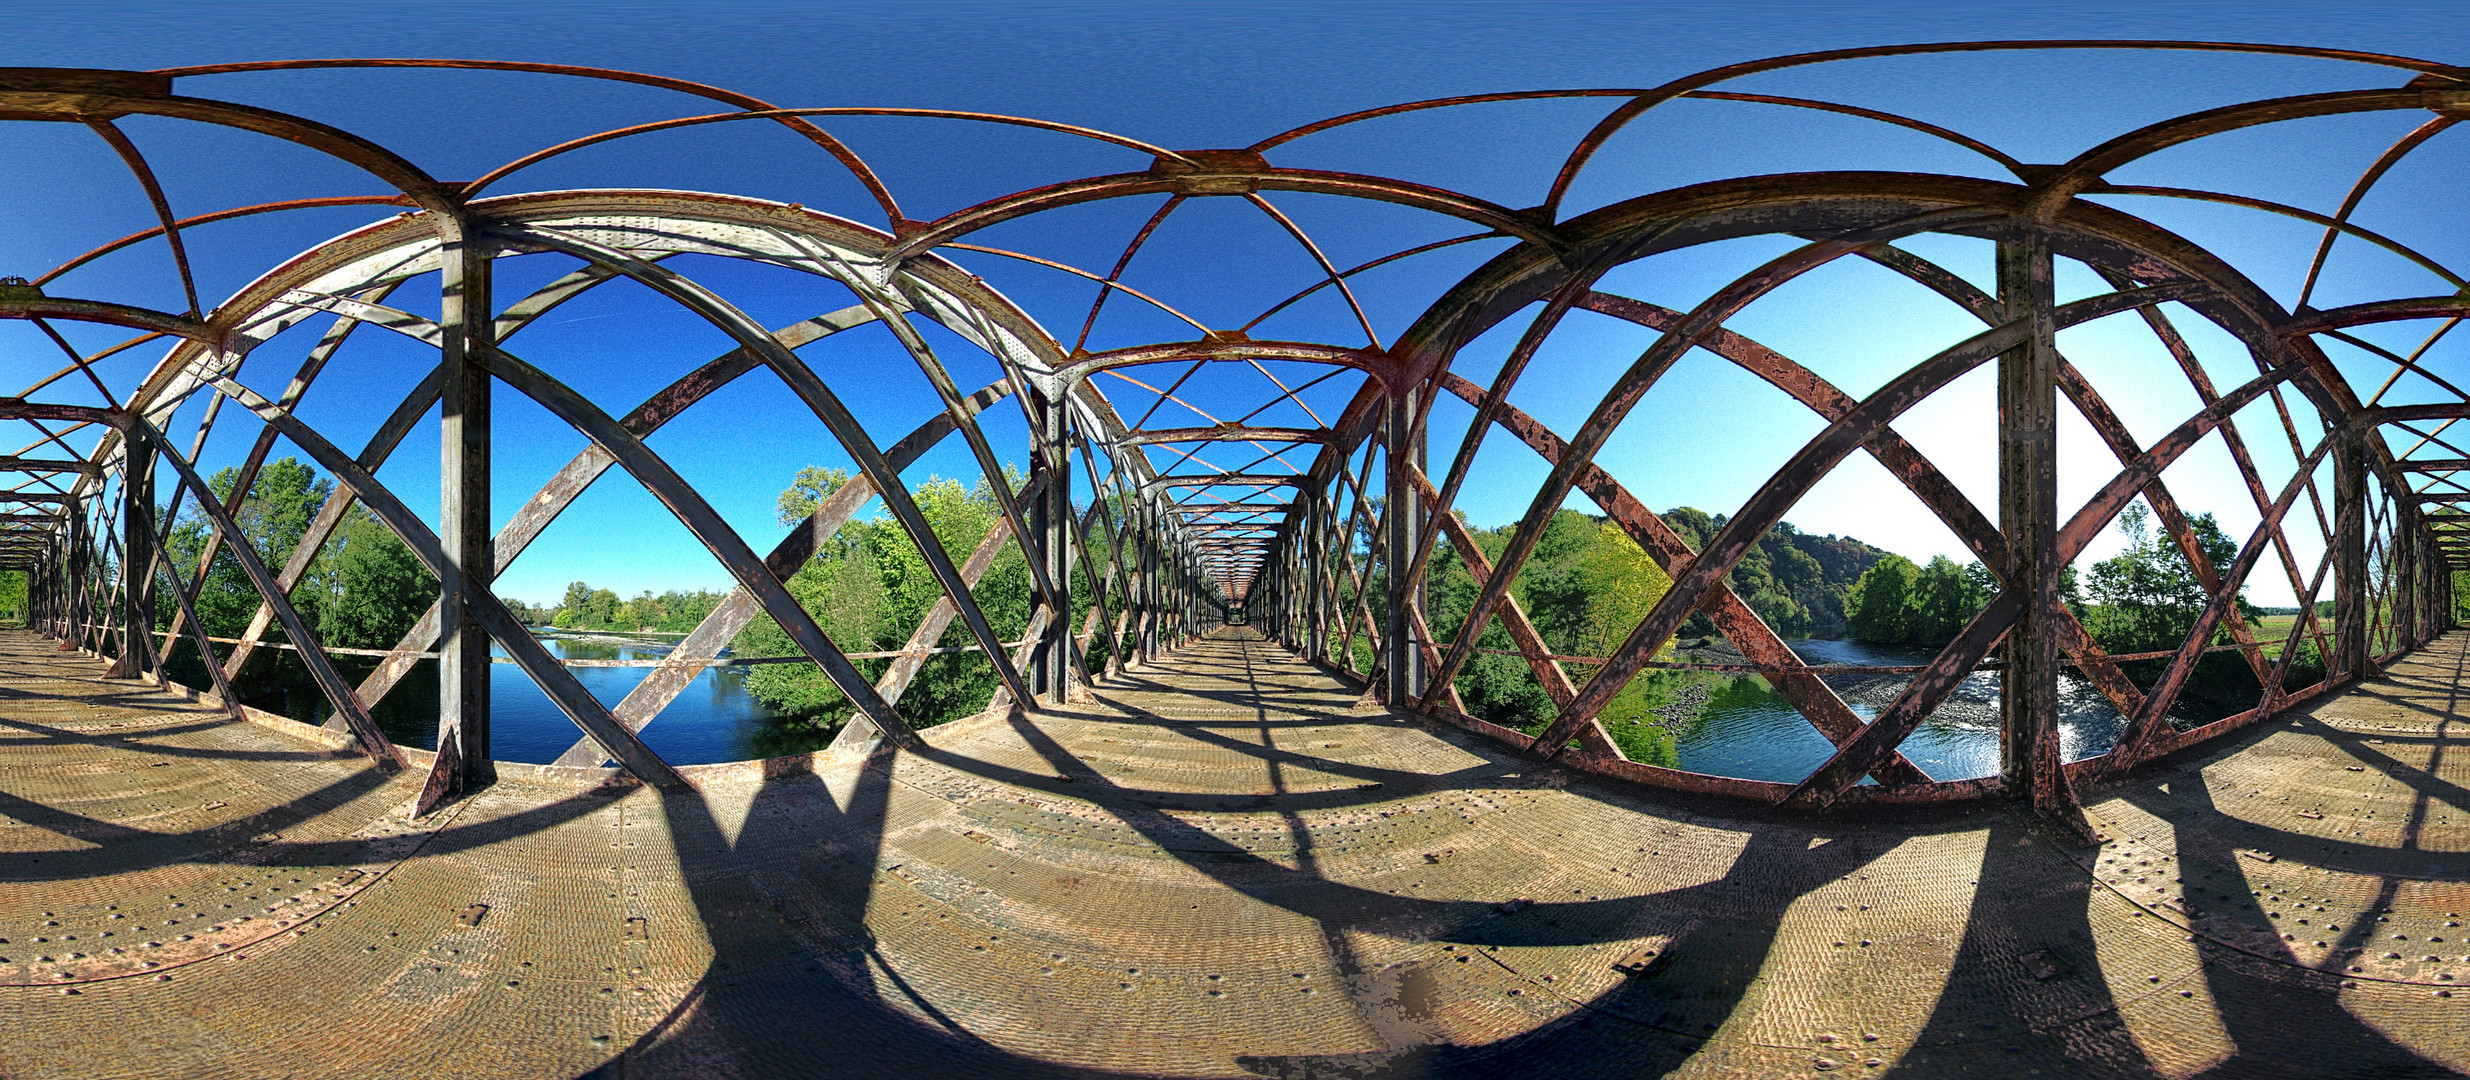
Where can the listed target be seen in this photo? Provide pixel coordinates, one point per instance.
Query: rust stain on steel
(570, 481)
(1171, 570)
(1741, 626)
(737, 610)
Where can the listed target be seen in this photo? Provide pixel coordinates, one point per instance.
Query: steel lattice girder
(1173, 539)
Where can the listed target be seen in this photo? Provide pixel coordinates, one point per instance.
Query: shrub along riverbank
(2146, 598)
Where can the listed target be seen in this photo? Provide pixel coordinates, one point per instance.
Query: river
(1748, 731)
(714, 719)
(1744, 730)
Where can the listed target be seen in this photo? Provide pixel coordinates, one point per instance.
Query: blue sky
(1189, 77)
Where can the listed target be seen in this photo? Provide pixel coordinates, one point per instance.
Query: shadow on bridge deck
(1218, 868)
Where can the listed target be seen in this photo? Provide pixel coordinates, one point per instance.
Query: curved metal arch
(1815, 458)
(144, 235)
(1182, 558)
(99, 311)
(827, 407)
(1263, 178)
(148, 94)
(1376, 365)
(2085, 169)
(1633, 384)
(990, 332)
(1227, 432)
(847, 157)
(665, 484)
(372, 740)
(1605, 129)
(538, 156)
(545, 672)
(1901, 459)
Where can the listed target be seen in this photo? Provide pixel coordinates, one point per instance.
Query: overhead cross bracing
(1306, 845)
(1160, 466)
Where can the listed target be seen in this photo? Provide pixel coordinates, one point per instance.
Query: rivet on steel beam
(1211, 172)
(1641, 961)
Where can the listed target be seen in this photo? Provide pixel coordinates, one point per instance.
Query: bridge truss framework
(1331, 536)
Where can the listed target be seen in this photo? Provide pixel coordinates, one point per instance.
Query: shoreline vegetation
(1588, 583)
(1586, 586)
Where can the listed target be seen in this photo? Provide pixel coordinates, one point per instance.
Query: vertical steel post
(1293, 550)
(1405, 682)
(464, 528)
(2428, 590)
(70, 611)
(2029, 758)
(1050, 517)
(136, 555)
(2349, 660)
(71, 581)
(80, 609)
(1316, 611)
(2405, 577)
(1150, 534)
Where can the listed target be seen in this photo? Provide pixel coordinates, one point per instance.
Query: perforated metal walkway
(1220, 867)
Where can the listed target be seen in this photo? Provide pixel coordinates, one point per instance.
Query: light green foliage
(273, 517)
(869, 587)
(2148, 597)
(13, 596)
(1589, 585)
(363, 589)
(1585, 588)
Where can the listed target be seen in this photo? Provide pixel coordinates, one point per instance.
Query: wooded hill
(1796, 581)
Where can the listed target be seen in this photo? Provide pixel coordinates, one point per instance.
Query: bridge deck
(1221, 868)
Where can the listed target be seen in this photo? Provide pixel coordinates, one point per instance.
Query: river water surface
(1750, 732)
(1744, 730)
(713, 719)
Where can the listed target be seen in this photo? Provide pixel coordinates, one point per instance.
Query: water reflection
(1746, 730)
(713, 719)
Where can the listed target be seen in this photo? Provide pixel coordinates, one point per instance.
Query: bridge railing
(1324, 489)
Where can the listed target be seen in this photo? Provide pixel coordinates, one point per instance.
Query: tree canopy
(869, 587)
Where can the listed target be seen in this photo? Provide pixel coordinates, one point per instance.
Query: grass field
(2276, 628)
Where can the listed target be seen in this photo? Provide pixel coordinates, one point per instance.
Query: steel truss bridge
(1322, 534)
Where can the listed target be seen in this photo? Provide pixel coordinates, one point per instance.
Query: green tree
(587, 608)
(273, 516)
(1945, 597)
(2148, 598)
(807, 492)
(375, 587)
(1880, 603)
(1586, 588)
(13, 595)
(868, 587)
(1622, 584)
